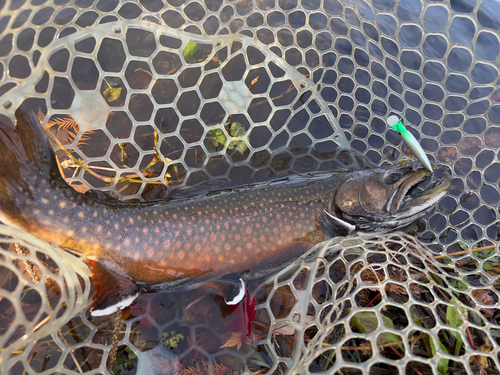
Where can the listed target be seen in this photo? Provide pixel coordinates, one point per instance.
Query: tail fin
(26, 159)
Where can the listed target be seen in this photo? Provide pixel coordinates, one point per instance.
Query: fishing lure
(410, 141)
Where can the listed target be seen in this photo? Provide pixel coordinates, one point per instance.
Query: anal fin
(111, 291)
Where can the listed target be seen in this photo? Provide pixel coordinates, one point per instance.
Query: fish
(410, 141)
(178, 244)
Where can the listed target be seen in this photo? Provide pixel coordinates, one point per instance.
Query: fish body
(184, 241)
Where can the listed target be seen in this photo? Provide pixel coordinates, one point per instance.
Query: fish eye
(392, 177)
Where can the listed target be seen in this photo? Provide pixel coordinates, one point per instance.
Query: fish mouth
(417, 194)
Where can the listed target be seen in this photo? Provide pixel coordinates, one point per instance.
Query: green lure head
(410, 141)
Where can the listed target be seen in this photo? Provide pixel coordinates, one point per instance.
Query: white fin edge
(111, 309)
(349, 226)
(240, 295)
(392, 120)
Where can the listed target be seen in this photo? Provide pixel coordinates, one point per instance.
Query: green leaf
(463, 245)
(495, 332)
(218, 137)
(443, 365)
(190, 51)
(365, 322)
(487, 266)
(237, 130)
(453, 317)
(112, 93)
(239, 146)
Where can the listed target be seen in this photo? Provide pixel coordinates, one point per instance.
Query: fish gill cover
(185, 92)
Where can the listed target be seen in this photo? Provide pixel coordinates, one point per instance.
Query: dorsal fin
(333, 226)
(110, 290)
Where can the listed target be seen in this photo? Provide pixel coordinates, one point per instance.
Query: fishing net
(180, 93)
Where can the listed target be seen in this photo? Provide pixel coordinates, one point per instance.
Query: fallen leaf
(235, 339)
(287, 329)
(112, 93)
(191, 51)
(482, 296)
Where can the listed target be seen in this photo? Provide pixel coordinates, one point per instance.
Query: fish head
(383, 199)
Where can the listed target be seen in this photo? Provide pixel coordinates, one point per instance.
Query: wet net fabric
(187, 92)
(42, 288)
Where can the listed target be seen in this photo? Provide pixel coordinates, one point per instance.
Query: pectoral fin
(111, 291)
(333, 226)
(233, 290)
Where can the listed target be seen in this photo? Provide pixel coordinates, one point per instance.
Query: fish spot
(99, 228)
(150, 252)
(181, 255)
(36, 212)
(62, 204)
(136, 255)
(117, 226)
(109, 233)
(84, 229)
(171, 255)
(249, 230)
(127, 242)
(167, 243)
(108, 246)
(70, 233)
(80, 214)
(145, 230)
(95, 214)
(220, 258)
(136, 239)
(44, 201)
(131, 221)
(51, 212)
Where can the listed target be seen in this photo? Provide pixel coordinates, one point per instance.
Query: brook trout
(184, 242)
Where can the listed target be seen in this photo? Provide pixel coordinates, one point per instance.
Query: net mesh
(184, 92)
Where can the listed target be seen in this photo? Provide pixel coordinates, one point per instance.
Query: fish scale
(187, 237)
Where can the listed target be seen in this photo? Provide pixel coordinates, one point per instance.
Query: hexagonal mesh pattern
(41, 289)
(154, 90)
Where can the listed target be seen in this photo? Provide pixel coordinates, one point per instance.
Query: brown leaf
(234, 340)
(482, 296)
(287, 329)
